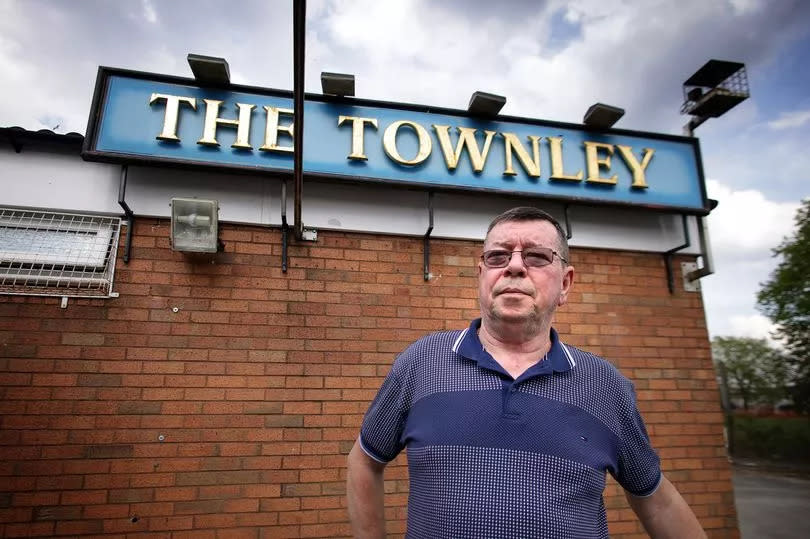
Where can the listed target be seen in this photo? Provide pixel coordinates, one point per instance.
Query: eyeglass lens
(534, 258)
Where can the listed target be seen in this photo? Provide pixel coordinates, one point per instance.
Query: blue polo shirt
(492, 456)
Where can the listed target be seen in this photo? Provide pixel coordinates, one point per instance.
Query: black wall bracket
(426, 239)
(122, 191)
(669, 254)
(568, 233)
(284, 226)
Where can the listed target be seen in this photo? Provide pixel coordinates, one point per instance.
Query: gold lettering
(594, 163)
(172, 114)
(530, 164)
(358, 125)
(555, 145)
(212, 120)
(390, 142)
(466, 137)
(638, 169)
(272, 129)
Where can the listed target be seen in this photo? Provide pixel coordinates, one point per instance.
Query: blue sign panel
(140, 117)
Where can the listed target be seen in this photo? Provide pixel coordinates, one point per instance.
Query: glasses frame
(522, 260)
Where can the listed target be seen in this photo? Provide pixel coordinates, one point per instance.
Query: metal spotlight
(484, 104)
(209, 69)
(194, 225)
(339, 84)
(601, 115)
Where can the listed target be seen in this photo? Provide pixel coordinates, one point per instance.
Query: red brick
(32, 529)
(175, 494)
(83, 497)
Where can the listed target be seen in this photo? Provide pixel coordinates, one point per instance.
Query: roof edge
(20, 137)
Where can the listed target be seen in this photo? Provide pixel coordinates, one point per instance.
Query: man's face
(516, 293)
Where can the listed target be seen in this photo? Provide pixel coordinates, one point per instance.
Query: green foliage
(757, 373)
(776, 438)
(785, 299)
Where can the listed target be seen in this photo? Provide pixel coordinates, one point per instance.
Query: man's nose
(516, 266)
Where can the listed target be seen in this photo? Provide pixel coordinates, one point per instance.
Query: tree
(785, 299)
(757, 373)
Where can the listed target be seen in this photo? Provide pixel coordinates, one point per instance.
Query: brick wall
(215, 400)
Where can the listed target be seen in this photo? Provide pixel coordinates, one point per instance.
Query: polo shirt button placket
(508, 409)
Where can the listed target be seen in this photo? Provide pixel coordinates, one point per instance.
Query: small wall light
(484, 104)
(194, 225)
(601, 115)
(339, 84)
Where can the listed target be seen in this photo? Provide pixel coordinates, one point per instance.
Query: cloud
(149, 11)
(50, 51)
(744, 228)
(746, 223)
(435, 53)
(746, 6)
(754, 326)
(637, 58)
(747, 154)
(789, 120)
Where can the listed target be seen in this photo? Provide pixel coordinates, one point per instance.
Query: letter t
(171, 116)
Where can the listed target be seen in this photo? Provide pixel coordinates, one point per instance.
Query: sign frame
(90, 151)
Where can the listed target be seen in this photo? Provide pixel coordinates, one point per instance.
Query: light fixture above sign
(484, 104)
(209, 69)
(339, 84)
(194, 225)
(601, 115)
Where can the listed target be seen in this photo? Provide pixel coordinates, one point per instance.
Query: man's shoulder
(597, 386)
(590, 364)
(439, 342)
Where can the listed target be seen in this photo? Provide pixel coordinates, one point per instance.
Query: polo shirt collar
(468, 345)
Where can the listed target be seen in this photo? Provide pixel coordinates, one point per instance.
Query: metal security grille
(57, 254)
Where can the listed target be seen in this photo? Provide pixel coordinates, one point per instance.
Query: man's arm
(364, 491)
(665, 514)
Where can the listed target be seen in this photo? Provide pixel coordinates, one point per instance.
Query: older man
(509, 432)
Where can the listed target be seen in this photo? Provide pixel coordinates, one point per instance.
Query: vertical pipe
(669, 254)
(426, 239)
(299, 34)
(568, 233)
(705, 252)
(122, 194)
(284, 227)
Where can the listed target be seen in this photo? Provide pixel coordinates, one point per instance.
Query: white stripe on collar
(568, 355)
(459, 339)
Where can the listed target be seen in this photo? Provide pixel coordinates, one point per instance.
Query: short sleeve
(384, 422)
(639, 470)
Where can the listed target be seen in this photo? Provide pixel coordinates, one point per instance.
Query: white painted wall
(52, 179)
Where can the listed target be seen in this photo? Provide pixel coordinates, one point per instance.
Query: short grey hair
(529, 213)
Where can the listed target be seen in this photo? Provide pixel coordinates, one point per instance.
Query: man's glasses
(536, 257)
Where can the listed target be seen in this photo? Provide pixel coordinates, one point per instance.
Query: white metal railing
(57, 254)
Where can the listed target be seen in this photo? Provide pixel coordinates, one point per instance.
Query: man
(509, 432)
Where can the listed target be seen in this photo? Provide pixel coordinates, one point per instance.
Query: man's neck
(519, 340)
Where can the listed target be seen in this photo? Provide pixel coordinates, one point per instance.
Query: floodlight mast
(710, 92)
(713, 90)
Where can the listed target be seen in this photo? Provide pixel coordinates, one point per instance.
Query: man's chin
(516, 316)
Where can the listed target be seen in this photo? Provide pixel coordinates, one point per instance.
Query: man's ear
(567, 283)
